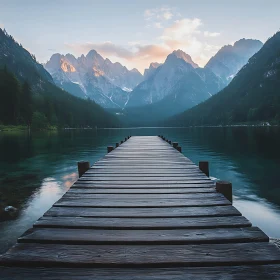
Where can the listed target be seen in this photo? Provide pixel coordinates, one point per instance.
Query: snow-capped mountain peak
(92, 76)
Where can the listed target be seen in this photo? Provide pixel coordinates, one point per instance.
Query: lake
(36, 169)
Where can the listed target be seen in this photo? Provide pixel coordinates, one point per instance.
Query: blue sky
(137, 32)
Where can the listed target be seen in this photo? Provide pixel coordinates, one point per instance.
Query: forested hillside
(252, 96)
(30, 97)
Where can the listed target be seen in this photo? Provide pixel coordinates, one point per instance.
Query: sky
(137, 32)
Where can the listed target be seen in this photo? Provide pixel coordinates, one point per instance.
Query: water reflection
(37, 169)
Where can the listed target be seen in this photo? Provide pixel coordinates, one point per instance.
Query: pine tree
(26, 103)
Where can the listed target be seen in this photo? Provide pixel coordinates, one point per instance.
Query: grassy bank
(18, 128)
(13, 127)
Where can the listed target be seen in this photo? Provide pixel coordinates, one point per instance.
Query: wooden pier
(143, 212)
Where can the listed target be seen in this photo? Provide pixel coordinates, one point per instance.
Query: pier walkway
(142, 212)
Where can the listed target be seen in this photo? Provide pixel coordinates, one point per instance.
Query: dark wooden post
(110, 149)
(175, 145)
(117, 145)
(83, 166)
(225, 188)
(125, 139)
(169, 142)
(121, 141)
(204, 167)
(179, 149)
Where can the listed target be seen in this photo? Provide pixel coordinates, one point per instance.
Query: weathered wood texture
(248, 272)
(149, 211)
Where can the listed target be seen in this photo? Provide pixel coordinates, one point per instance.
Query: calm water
(37, 169)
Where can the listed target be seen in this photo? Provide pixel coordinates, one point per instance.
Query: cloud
(181, 28)
(162, 13)
(158, 25)
(106, 48)
(187, 34)
(213, 34)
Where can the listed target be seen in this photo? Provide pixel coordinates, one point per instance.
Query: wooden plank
(86, 191)
(209, 211)
(142, 223)
(131, 185)
(138, 181)
(147, 256)
(140, 203)
(242, 272)
(149, 157)
(154, 161)
(142, 167)
(92, 177)
(145, 161)
(136, 176)
(147, 172)
(134, 196)
(143, 182)
(170, 236)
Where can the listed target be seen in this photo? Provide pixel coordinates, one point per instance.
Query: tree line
(20, 105)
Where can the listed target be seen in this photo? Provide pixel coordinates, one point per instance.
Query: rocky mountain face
(91, 76)
(230, 59)
(149, 72)
(178, 83)
(252, 96)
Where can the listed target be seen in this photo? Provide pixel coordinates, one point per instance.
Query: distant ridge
(252, 96)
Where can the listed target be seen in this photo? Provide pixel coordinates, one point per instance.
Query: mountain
(178, 84)
(230, 59)
(22, 74)
(252, 96)
(150, 71)
(91, 76)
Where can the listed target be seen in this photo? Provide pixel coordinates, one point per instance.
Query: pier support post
(225, 188)
(204, 167)
(121, 141)
(110, 149)
(117, 145)
(175, 145)
(83, 167)
(179, 149)
(169, 142)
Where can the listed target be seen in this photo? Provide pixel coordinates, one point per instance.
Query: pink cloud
(185, 34)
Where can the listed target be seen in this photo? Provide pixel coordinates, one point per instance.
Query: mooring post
(175, 145)
(169, 142)
(83, 166)
(121, 141)
(225, 188)
(117, 145)
(179, 149)
(110, 149)
(204, 167)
